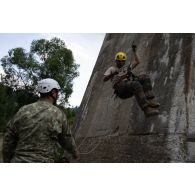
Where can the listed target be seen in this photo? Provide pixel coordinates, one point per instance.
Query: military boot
(152, 103)
(148, 111)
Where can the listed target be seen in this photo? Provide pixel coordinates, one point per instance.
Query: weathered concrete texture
(112, 130)
(1, 142)
(191, 152)
(132, 148)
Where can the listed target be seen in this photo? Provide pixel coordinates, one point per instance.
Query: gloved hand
(134, 47)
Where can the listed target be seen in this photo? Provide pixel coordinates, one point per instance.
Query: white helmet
(46, 85)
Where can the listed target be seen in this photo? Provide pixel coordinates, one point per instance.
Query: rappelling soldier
(126, 84)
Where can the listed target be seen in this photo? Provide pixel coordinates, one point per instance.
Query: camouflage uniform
(37, 133)
(128, 88)
(141, 87)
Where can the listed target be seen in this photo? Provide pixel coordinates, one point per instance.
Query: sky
(85, 48)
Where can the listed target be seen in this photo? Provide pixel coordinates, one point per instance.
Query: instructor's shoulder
(58, 113)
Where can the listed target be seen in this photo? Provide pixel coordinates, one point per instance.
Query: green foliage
(71, 113)
(46, 59)
(11, 101)
(5, 106)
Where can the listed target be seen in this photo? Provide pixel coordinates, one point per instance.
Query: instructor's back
(39, 131)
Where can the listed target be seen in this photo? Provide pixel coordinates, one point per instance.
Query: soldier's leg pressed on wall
(126, 89)
(145, 81)
(138, 91)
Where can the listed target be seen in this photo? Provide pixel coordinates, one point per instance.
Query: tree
(46, 59)
(71, 113)
(5, 106)
(10, 102)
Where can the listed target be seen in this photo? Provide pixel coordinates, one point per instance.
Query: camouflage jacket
(37, 133)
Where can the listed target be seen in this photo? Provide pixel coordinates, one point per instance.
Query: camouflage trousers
(140, 87)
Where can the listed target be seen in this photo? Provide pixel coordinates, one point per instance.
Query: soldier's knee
(146, 82)
(144, 77)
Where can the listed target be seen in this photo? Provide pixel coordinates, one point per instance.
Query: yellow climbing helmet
(121, 56)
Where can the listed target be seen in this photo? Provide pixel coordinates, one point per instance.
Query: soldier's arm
(107, 77)
(109, 74)
(67, 141)
(135, 61)
(9, 142)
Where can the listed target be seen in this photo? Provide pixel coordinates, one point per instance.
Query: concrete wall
(112, 130)
(1, 142)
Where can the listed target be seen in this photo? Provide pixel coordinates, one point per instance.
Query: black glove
(134, 47)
